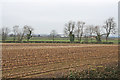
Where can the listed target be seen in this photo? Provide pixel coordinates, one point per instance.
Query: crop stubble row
(19, 61)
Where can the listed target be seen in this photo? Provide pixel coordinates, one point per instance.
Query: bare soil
(48, 60)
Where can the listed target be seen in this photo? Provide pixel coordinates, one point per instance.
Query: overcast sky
(46, 15)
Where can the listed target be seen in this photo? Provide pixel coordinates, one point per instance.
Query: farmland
(114, 40)
(43, 60)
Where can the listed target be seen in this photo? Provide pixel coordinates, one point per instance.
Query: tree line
(72, 30)
(80, 29)
(18, 33)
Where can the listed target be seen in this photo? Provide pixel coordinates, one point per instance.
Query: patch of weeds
(96, 72)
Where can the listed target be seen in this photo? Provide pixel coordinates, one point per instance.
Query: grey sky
(46, 15)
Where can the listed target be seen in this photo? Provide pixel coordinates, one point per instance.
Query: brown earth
(45, 60)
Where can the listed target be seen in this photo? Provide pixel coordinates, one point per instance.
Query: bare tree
(90, 30)
(79, 30)
(15, 32)
(99, 33)
(21, 34)
(28, 32)
(5, 32)
(53, 34)
(109, 27)
(69, 30)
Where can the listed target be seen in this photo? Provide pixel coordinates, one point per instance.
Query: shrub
(98, 72)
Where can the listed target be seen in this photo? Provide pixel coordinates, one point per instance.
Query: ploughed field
(45, 60)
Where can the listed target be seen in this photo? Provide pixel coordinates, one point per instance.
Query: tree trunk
(98, 38)
(14, 38)
(91, 39)
(78, 38)
(53, 38)
(21, 37)
(91, 36)
(107, 38)
(28, 40)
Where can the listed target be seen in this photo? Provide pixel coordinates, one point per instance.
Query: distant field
(46, 60)
(114, 40)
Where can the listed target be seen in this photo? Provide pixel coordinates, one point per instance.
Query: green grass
(114, 40)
